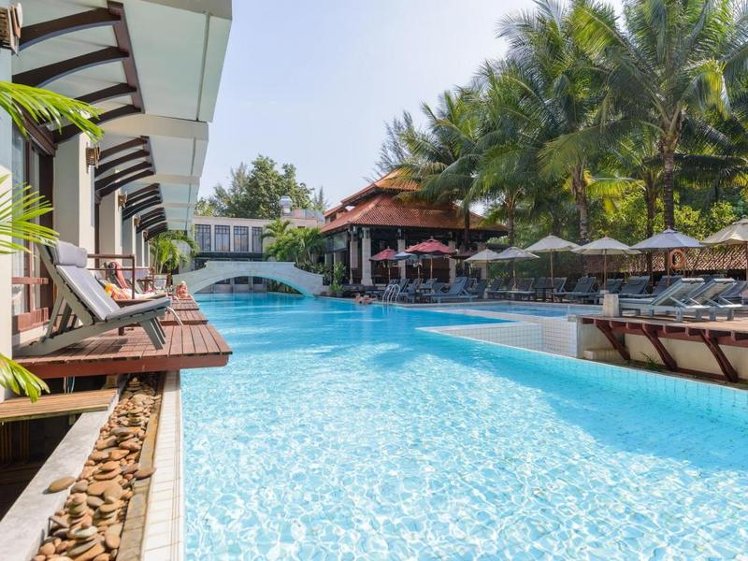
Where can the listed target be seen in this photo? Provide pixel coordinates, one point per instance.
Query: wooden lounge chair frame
(82, 307)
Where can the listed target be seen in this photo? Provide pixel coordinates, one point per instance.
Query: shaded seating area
(83, 309)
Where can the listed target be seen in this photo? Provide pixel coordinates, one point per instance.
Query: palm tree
(671, 63)
(168, 251)
(549, 88)
(442, 157)
(18, 213)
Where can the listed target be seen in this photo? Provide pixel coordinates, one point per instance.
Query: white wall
(73, 194)
(110, 225)
(5, 171)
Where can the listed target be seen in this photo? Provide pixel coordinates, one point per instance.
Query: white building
(241, 239)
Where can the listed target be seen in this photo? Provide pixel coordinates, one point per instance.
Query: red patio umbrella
(431, 247)
(384, 256)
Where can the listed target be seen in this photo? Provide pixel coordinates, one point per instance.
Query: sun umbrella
(734, 234)
(551, 244)
(667, 240)
(484, 257)
(515, 254)
(432, 248)
(605, 246)
(383, 257)
(403, 255)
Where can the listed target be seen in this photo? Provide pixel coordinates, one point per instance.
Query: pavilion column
(365, 257)
(353, 256)
(452, 264)
(73, 194)
(110, 225)
(329, 258)
(128, 236)
(140, 246)
(401, 263)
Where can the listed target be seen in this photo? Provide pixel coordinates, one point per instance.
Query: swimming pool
(344, 432)
(541, 310)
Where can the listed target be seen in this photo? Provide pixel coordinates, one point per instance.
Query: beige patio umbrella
(734, 234)
(515, 254)
(483, 257)
(605, 246)
(666, 241)
(551, 244)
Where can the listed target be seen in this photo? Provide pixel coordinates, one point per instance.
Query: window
(202, 236)
(256, 239)
(241, 239)
(223, 238)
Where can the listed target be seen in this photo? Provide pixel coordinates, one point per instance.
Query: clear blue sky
(313, 83)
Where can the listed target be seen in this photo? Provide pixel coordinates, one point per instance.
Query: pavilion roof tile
(384, 210)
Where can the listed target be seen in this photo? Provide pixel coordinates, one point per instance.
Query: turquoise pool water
(342, 432)
(541, 310)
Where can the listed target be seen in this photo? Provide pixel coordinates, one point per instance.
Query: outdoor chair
(524, 289)
(456, 292)
(410, 292)
(612, 286)
(83, 309)
(478, 289)
(666, 281)
(541, 287)
(735, 293)
(498, 287)
(635, 287)
(711, 296)
(585, 288)
(674, 300)
(116, 276)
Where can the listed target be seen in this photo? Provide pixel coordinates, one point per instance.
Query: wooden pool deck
(22, 409)
(187, 346)
(714, 335)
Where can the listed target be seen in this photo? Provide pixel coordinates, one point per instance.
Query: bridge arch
(308, 284)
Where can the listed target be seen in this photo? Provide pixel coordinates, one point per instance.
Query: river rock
(106, 443)
(112, 491)
(94, 502)
(107, 475)
(102, 557)
(144, 473)
(118, 454)
(109, 466)
(89, 555)
(47, 549)
(79, 487)
(82, 546)
(131, 445)
(84, 533)
(60, 484)
(98, 487)
(114, 530)
(112, 541)
(98, 456)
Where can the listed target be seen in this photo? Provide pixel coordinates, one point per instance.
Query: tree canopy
(594, 123)
(255, 191)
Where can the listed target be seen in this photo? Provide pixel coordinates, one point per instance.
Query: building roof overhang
(161, 86)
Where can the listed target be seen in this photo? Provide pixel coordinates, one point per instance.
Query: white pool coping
(164, 520)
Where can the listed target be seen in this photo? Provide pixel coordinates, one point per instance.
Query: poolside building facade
(156, 92)
(386, 214)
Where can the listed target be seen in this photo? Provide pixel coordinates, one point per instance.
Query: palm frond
(47, 107)
(17, 220)
(19, 380)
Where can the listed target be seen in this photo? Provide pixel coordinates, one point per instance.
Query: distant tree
(204, 207)
(255, 191)
(318, 201)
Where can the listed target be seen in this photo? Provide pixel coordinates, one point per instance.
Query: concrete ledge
(22, 528)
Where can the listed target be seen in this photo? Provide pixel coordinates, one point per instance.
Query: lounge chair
(666, 281)
(584, 289)
(83, 308)
(116, 276)
(478, 289)
(409, 293)
(612, 286)
(674, 300)
(635, 287)
(498, 287)
(456, 292)
(524, 289)
(712, 297)
(541, 287)
(735, 293)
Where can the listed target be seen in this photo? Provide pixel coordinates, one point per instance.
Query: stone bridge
(309, 284)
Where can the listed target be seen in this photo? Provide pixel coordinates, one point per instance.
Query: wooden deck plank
(19, 409)
(187, 346)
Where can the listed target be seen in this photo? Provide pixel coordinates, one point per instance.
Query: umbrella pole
(553, 279)
(514, 273)
(605, 269)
